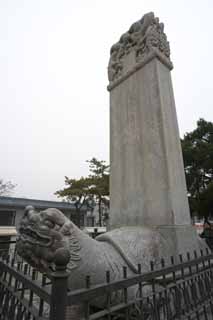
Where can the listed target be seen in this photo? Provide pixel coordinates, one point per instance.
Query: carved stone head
(45, 238)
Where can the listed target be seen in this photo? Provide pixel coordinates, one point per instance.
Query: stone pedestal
(147, 185)
(181, 239)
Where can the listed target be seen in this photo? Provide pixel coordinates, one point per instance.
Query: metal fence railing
(177, 291)
(7, 247)
(24, 291)
(181, 289)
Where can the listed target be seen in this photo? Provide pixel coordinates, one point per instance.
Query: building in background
(12, 209)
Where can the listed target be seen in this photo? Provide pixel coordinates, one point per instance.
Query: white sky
(53, 77)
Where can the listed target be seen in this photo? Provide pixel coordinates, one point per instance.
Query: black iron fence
(179, 290)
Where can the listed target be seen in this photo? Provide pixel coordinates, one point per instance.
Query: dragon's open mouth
(34, 237)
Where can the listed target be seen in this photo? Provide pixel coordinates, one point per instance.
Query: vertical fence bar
(87, 304)
(140, 294)
(154, 297)
(165, 309)
(177, 295)
(125, 293)
(41, 304)
(58, 303)
(108, 296)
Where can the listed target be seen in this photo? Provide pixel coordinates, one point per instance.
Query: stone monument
(147, 186)
(149, 209)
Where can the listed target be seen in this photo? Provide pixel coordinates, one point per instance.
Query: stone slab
(147, 185)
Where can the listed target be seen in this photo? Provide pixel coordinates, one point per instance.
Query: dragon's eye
(49, 223)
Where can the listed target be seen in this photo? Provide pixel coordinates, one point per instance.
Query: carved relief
(47, 238)
(142, 37)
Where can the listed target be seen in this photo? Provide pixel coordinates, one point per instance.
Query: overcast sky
(53, 77)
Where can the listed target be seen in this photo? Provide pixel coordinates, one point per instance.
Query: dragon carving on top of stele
(144, 36)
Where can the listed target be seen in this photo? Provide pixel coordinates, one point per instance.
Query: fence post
(58, 303)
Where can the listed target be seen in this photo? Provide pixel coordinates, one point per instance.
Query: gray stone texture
(147, 184)
(147, 181)
(149, 209)
(47, 238)
(144, 39)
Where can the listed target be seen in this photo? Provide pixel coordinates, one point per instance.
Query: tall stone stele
(149, 210)
(147, 186)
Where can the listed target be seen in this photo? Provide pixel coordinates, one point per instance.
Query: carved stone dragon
(143, 36)
(48, 237)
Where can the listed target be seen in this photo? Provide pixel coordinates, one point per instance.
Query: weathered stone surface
(181, 239)
(147, 184)
(149, 209)
(137, 46)
(47, 238)
(147, 181)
